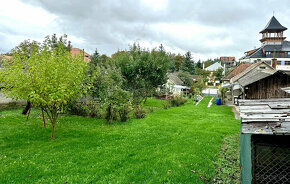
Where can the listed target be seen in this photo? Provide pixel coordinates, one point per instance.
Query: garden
(98, 122)
(175, 145)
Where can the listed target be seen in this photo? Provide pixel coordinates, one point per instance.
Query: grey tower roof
(273, 26)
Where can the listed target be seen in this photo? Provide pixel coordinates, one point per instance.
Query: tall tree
(188, 64)
(50, 77)
(143, 70)
(199, 64)
(178, 60)
(106, 87)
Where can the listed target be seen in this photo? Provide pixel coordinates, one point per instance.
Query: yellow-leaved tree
(48, 77)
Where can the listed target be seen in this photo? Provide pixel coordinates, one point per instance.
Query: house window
(278, 62)
(287, 62)
(268, 54)
(262, 67)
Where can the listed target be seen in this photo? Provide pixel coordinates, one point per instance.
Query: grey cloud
(110, 25)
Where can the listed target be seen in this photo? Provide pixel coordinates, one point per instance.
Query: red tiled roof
(239, 69)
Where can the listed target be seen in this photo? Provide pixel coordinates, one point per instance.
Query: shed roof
(273, 26)
(238, 69)
(255, 76)
(265, 116)
(248, 69)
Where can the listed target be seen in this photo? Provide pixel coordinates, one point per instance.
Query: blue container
(218, 101)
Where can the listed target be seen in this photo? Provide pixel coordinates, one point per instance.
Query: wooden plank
(263, 100)
(263, 119)
(259, 116)
(278, 111)
(262, 107)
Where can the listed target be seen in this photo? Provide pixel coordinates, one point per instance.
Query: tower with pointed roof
(274, 50)
(272, 34)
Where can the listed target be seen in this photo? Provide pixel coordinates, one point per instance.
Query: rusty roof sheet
(240, 68)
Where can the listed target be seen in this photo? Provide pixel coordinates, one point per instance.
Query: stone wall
(4, 101)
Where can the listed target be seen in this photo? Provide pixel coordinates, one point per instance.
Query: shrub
(167, 105)
(124, 112)
(139, 112)
(87, 109)
(177, 100)
(190, 95)
(151, 109)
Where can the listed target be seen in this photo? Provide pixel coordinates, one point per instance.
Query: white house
(175, 86)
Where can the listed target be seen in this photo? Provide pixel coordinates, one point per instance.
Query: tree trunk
(27, 107)
(28, 113)
(52, 130)
(43, 117)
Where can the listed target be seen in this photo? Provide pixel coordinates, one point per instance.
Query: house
(214, 67)
(237, 70)
(228, 60)
(77, 51)
(264, 141)
(273, 46)
(211, 78)
(246, 74)
(175, 86)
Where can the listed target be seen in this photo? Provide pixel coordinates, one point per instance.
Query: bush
(124, 112)
(177, 100)
(86, 109)
(151, 109)
(167, 105)
(190, 95)
(139, 112)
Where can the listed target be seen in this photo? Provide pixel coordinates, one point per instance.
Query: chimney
(274, 63)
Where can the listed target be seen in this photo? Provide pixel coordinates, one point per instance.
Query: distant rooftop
(214, 67)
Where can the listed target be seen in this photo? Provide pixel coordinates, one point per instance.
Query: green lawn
(177, 145)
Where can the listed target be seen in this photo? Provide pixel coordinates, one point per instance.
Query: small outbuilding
(265, 141)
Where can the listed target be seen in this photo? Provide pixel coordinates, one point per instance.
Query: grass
(177, 145)
(228, 165)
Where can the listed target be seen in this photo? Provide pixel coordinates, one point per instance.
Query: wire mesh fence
(271, 159)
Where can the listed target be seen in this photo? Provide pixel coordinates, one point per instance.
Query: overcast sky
(206, 28)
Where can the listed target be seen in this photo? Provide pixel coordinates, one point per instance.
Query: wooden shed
(262, 85)
(265, 141)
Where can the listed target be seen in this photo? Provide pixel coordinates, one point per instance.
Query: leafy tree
(219, 74)
(106, 81)
(54, 42)
(200, 84)
(172, 68)
(178, 60)
(201, 72)
(143, 70)
(199, 64)
(188, 64)
(50, 77)
(186, 78)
